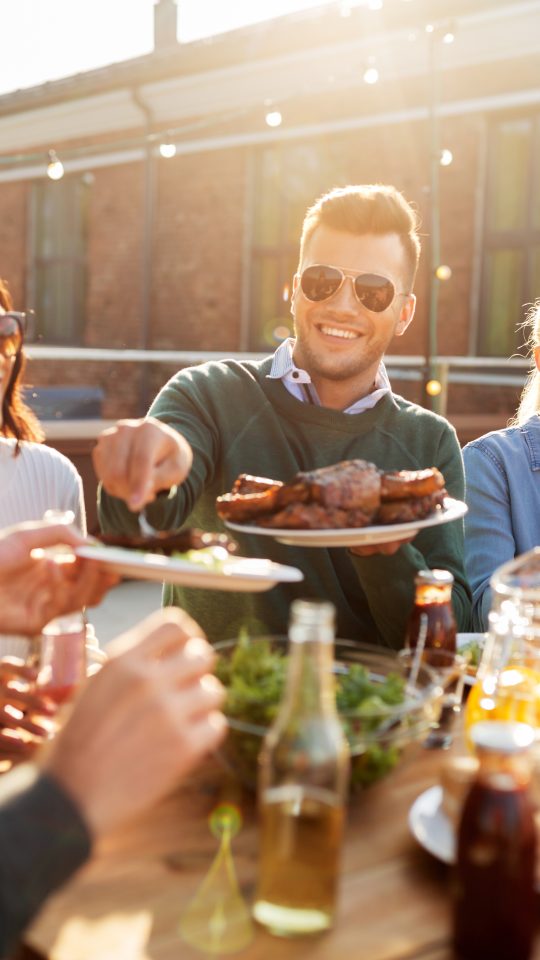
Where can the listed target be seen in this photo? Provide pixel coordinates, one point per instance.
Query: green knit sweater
(239, 421)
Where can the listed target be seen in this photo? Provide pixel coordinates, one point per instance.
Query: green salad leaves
(254, 677)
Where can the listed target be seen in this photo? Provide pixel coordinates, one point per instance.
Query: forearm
(43, 840)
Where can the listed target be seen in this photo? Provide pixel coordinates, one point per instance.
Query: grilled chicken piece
(167, 543)
(412, 508)
(403, 484)
(349, 485)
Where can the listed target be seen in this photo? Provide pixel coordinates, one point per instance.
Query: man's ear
(406, 314)
(537, 357)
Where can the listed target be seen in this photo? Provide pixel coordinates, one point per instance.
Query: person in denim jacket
(502, 474)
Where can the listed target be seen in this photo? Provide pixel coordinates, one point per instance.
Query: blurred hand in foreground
(36, 586)
(137, 458)
(21, 709)
(142, 723)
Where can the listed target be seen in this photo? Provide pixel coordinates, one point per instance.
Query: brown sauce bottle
(493, 889)
(432, 621)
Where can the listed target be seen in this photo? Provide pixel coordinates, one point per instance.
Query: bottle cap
(438, 578)
(502, 736)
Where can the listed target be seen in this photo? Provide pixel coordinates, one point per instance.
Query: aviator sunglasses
(321, 282)
(12, 331)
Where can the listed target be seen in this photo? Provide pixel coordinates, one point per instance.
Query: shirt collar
(293, 377)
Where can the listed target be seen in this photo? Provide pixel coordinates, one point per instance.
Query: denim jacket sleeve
(489, 536)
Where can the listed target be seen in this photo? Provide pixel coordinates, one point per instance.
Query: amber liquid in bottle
(432, 617)
(494, 905)
(303, 781)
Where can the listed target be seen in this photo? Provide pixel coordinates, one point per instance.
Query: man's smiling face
(338, 341)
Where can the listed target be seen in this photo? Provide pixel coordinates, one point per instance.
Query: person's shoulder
(503, 439)
(223, 371)
(417, 414)
(45, 457)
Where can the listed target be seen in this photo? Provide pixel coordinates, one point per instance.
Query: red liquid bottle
(432, 622)
(494, 902)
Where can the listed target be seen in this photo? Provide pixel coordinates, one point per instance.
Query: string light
(448, 37)
(55, 167)
(443, 272)
(167, 150)
(434, 388)
(446, 157)
(273, 118)
(371, 75)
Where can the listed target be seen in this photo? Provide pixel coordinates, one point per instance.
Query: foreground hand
(137, 458)
(20, 711)
(386, 549)
(143, 722)
(35, 587)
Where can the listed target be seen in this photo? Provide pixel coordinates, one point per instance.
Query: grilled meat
(167, 543)
(403, 484)
(353, 493)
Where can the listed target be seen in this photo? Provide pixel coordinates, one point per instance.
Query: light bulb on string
(448, 37)
(446, 157)
(55, 167)
(375, 4)
(273, 118)
(371, 74)
(434, 388)
(167, 150)
(443, 272)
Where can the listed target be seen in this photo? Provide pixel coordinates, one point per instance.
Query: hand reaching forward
(35, 586)
(137, 458)
(143, 722)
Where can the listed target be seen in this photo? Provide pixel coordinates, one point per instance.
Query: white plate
(357, 536)
(431, 827)
(433, 830)
(237, 573)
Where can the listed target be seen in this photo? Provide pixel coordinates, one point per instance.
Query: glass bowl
(384, 712)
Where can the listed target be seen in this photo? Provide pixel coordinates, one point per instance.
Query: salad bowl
(385, 711)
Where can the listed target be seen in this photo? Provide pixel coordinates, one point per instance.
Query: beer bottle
(432, 620)
(494, 908)
(303, 783)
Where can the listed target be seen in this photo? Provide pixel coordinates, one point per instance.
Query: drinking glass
(59, 655)
(449, 669)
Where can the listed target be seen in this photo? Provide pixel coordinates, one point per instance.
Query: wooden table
(127, 904)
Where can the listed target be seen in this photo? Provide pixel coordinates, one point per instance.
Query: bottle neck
(310, 687)
(427, 594)
(503, 771)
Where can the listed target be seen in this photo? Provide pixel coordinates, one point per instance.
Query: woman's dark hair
(17, 419)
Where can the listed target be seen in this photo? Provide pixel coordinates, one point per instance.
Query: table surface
(127, 903)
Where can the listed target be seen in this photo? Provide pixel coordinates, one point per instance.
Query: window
(58, 268)
(511, 267)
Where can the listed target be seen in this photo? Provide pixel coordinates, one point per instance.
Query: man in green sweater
(324, 396)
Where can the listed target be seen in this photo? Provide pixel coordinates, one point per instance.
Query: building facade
(195, 252)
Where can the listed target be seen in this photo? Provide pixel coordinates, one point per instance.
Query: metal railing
(488, 371)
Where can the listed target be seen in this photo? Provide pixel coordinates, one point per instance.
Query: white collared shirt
(298, 382)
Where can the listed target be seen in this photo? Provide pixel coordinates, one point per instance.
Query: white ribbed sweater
(38, 479)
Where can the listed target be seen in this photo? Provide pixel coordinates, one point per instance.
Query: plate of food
(358, 536)
(212, 568)
(351, 503)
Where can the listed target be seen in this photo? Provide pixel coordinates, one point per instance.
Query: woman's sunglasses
(321, 282)
(12, 331)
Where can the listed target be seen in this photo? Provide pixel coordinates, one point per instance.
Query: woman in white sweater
(33, 478)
